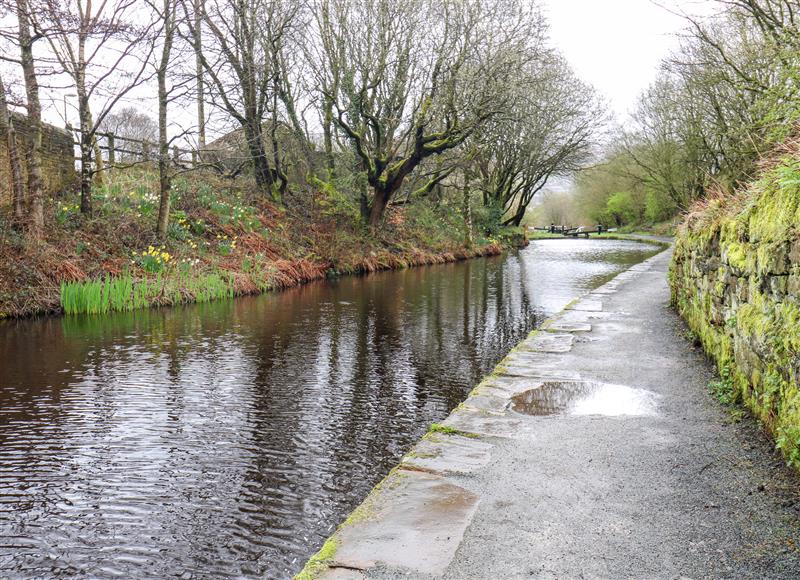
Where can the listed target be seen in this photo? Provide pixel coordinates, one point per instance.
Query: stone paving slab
(487, 403)
(561, 326)
(548, 342)
(448, 454)
(512, 373)
(587, 305)
(522, 357)
(466, 420)
(415, 521)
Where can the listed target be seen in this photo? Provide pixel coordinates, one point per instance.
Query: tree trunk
(364, 204)
(35, 182)
(85, 117)
(164, 169)
(17, 187)
(261, 169)
(327, 136)
(86, 153)
(99, 166)
(516, 219)
(467, 210)
(276, 155)
(387, 184)
(198, 39)
(380, 199)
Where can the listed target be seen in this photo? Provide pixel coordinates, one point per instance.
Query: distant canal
(229, 439)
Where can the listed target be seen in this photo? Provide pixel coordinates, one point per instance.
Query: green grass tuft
(123, 293)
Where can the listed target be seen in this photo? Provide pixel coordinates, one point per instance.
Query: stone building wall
(735, 278)
(58, 158)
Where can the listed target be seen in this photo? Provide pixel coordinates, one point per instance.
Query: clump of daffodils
(226, 246)
(154, 259)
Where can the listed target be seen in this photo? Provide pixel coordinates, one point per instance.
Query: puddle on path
(584, 398)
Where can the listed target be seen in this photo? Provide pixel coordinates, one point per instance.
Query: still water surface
(229, 439)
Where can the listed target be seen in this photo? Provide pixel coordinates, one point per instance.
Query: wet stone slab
(529, 358)
(448, 454)
(583, 316)
(487, 403)
(491, 390)
(588, 305)
(484, 424)
(512, 372)
(564, 326)
(341, 574)
(643, 267)
(549, 343)
(414, 522)
(514, 385)
(627, 276)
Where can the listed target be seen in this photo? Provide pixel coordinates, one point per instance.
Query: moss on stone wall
(735, 278)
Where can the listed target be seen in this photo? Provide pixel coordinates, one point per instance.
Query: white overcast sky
(616, 45)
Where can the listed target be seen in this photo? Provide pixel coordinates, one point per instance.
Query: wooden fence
(121, 151)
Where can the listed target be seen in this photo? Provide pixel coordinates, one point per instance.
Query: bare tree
(167, 14)
(197, 43)
(549, 132)
(242, 41)
(104, 51)
(418, 78)
(130, 123)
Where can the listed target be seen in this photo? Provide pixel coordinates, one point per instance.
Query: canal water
(229, 439)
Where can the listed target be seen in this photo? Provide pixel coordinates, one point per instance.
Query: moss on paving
(320, 561)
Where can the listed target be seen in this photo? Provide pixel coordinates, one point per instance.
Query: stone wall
(735, 278)
(58, 158)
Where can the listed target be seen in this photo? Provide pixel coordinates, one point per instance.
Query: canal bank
(594, 450)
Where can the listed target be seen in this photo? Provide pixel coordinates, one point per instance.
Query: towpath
(594, 451)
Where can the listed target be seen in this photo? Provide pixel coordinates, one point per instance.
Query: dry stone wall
(735, 278)
(58, 158)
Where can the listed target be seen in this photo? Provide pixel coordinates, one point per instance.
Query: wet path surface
(592, 453)
(227, 440)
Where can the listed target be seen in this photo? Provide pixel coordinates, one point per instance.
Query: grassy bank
(223, 241)
(736, 280)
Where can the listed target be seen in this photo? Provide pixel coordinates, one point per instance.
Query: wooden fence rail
(116, 152)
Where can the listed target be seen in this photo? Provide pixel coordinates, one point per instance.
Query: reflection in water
(584, 398)
(228, 439)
